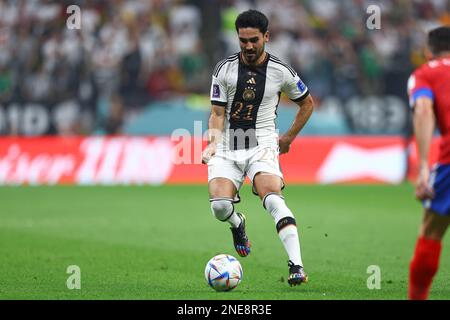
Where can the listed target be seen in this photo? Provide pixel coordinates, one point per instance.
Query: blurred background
(143, 67)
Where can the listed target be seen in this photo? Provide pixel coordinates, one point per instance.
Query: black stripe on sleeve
(302, 97)
(219, 103)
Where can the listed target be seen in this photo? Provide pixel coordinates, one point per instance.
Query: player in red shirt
(429, 92)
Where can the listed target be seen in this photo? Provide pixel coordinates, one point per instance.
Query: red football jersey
(433, 80)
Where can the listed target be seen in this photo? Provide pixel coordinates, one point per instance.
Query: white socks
(285, 224)
(223, 210)
(234, 220)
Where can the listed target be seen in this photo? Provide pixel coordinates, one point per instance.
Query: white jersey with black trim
(250, 95)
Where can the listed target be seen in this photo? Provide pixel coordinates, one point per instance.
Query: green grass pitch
(154, 242)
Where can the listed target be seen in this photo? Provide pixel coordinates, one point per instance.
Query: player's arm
(306, 107)
(424, 124)
(218, 95)
(215, 129)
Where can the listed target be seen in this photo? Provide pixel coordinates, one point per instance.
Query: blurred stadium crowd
(130, 53)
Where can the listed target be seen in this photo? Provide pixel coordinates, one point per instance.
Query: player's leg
(425, 261)
(222, 193)
(436, 220)
(268, 186)
(225, 179)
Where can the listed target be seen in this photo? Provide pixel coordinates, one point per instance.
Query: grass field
(154, 242)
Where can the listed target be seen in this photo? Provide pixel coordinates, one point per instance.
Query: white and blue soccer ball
(223, 272)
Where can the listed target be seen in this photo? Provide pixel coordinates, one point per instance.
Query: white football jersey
(251, 95)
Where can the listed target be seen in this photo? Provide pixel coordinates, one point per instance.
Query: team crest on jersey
(301, 86)
(249, 94)
(216, 91)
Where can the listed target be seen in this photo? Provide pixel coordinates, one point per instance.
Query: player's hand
(285, 144)
(423, 189)
(209, 151)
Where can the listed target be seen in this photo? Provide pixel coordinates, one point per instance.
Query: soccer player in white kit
(243, 140)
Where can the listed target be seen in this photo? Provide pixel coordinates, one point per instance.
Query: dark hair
(252, 19)
(439, 40)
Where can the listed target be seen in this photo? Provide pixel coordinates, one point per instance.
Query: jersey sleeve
(418, 86)
(294, 87)
(218, 92)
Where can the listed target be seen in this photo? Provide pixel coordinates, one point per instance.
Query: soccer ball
(223, 272)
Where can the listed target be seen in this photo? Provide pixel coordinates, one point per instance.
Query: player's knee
(222, 209)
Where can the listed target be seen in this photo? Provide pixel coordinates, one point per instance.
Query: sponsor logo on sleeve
(216, 91)
(301, 86)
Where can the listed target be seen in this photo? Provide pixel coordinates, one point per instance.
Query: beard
(253, 55)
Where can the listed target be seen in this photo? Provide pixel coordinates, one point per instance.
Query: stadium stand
(134, 61)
